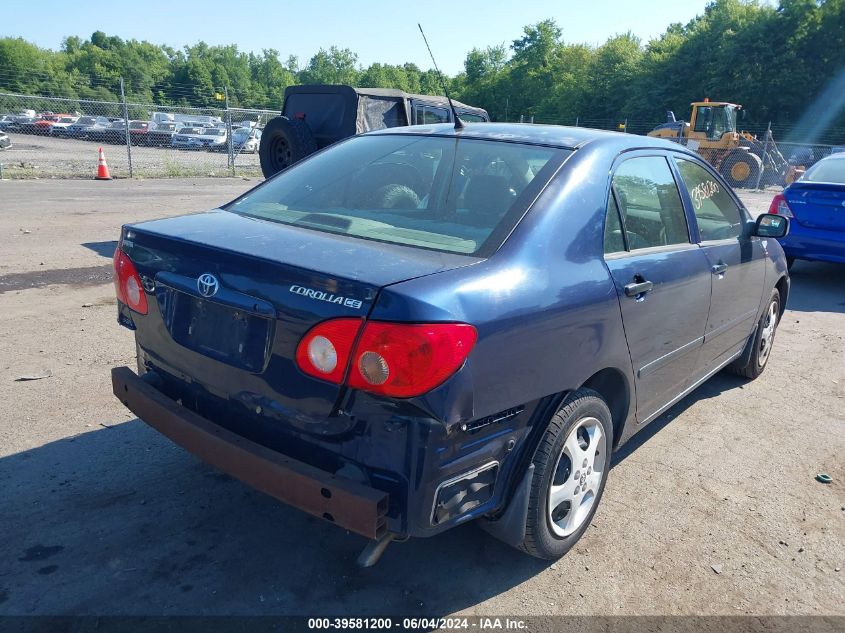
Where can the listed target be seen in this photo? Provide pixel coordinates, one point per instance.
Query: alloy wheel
(768, 335)
(577, 477)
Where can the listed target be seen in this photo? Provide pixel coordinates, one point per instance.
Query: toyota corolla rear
(276, 319)
(816, 204)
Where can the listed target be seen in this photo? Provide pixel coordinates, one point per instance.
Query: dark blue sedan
(816, 205)
(419, 327)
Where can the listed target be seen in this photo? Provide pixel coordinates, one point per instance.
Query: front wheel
(764, 338)
(570, 470)
(741, 169)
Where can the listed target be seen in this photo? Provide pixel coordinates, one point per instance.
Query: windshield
(828, 170)
(86, 120)
(441, 193)
(137, 125)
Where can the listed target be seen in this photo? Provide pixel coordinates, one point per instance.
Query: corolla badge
(208, 285)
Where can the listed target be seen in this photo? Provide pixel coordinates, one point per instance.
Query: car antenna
(459, 125)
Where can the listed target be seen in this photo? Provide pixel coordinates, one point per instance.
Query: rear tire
(570, 470)
(764, 338)
(283, 143)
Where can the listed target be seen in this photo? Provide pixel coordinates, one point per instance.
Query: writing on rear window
(326, 296)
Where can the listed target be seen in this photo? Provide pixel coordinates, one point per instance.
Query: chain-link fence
(59, 138)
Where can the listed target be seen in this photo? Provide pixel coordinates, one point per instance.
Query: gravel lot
(46, 157)
(102, 515)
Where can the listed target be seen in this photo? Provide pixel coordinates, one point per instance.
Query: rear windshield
(440, 193)
(830, 170)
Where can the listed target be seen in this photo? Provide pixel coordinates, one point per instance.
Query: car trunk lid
(232, 296)
(818, 205)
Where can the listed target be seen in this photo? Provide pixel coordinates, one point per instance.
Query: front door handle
(719, 269)
(638, 289)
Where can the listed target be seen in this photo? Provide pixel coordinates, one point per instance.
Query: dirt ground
(713, 509)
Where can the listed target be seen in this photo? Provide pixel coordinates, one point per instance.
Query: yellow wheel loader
(738, 155)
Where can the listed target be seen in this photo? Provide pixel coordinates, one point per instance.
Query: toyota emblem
(208, 285)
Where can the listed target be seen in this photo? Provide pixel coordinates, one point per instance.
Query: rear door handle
(638, 289)
(719, 269)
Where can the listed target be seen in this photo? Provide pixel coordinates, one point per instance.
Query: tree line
(776, 60)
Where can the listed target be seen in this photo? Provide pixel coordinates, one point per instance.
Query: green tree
(333, 66)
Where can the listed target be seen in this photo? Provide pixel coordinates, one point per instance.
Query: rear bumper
(814, 244)
(351, 505)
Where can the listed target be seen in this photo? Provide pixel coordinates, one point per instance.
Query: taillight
(401, 360)
(127, 283)
(405, 360)
(324, 352)
(780, 206)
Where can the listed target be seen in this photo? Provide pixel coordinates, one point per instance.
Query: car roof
(555, 135)
(391, 93)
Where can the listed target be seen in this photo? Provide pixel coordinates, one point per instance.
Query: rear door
(661, 277)
(736, 262)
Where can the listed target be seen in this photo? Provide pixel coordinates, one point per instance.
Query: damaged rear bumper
(349, 504)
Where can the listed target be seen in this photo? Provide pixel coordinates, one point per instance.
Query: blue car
(422, 326)
(815, 205)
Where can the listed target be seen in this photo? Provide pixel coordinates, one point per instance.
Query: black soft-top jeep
(315, 116)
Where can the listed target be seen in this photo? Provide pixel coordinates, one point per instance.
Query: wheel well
(613, 387)
(783, 288)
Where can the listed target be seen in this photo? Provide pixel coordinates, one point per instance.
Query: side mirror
(770, 225)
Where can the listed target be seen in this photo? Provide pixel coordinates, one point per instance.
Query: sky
(383, 32)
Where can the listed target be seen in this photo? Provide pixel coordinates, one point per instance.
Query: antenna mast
(459, 125)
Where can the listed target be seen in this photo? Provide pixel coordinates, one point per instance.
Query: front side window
(649, 203)
(441, 193)
(717, 215)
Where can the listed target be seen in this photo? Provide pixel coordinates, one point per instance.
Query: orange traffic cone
(102, 168)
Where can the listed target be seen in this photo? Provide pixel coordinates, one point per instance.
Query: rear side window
(830, 170)
(716, 213)
(649, 203)
(614, 241)
(442, 193)
(429, 114)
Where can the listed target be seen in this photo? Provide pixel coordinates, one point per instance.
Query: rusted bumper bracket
(346, 503)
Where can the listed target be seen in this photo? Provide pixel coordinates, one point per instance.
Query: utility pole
(230, 146)
(126, 126)
(765, 152)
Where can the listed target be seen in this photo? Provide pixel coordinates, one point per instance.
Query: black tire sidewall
(547, 544)
(295, 133)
